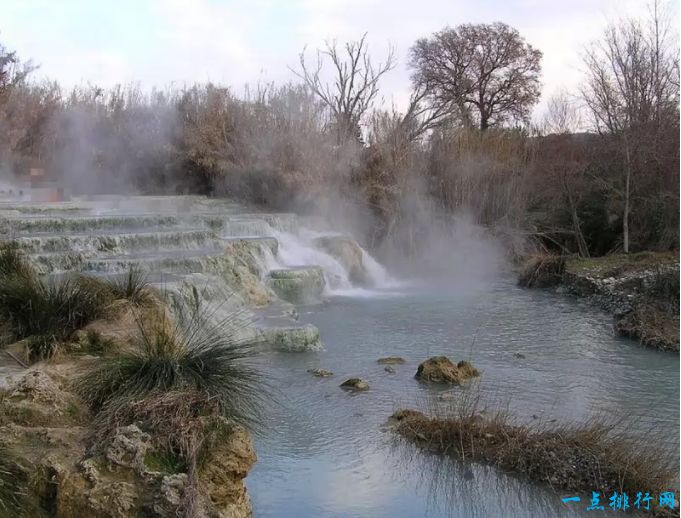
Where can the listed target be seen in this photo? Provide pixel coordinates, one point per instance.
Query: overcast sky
(158, 42)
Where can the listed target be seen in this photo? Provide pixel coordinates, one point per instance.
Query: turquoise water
(327, 453)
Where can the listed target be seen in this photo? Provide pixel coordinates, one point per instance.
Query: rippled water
(326, 452)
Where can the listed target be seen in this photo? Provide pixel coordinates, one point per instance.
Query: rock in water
(320, 373)
(467, 369)
(292, 339)
(355, 384)
(302, 285)
(348, 253)
(440, 369)
(391, 360)
(447, 396)
(390, 369)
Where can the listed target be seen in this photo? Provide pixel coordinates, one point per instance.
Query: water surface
(327, 453)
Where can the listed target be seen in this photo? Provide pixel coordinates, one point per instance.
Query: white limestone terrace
(223, 252)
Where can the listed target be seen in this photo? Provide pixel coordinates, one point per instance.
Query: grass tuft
(13, 262)
(47, 312)
(193, 356)
(133, 286)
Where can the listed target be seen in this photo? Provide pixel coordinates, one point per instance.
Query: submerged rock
(519, 356)
(356, 384)
(292, 339)
(389, 369)
(298, 285)
(391, 360)
(447, 396)
(320, 373)
(440, 369)
(348, 253)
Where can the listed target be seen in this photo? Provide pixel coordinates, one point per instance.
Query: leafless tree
(487, 74)
(354, 86)
(12, 70)
(562, 115)
(632, 92)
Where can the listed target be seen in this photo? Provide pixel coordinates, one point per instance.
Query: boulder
(37, 387)
(295, 339)
(440, 369)
(348, 253)
(355, 384)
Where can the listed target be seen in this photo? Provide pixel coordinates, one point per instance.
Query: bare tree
(632, 92)
(354, 86)
(562, 115)
(487, 74)
(12, 69)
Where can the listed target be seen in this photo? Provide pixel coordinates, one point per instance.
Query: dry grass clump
(14, 482)
(594, 456)
(542, 270)
(651, 324)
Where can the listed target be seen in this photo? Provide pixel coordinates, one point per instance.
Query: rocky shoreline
(641, 291)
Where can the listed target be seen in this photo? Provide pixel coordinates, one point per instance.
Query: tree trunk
(627, 188)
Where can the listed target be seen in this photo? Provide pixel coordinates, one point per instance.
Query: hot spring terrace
(183, 244)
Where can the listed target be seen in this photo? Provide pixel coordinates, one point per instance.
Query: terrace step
(176, 260)
(227, 225)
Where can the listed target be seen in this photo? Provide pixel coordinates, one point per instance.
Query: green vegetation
(133, 286)
(46, 311)
(164, 461)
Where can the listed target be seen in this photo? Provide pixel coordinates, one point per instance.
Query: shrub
(542, 271)
(193, 356)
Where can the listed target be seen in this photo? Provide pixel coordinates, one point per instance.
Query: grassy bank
(641, 290)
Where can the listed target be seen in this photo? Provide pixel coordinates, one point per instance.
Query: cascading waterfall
(299, 250)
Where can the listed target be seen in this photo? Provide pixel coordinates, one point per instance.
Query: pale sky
(159, 42)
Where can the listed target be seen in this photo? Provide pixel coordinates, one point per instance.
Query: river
(327, 453)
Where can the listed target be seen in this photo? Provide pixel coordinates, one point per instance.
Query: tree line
(598, 173)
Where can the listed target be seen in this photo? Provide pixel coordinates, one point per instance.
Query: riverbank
(640, 290)
(130, 415)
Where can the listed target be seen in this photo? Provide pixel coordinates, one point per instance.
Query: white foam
(299, 250)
